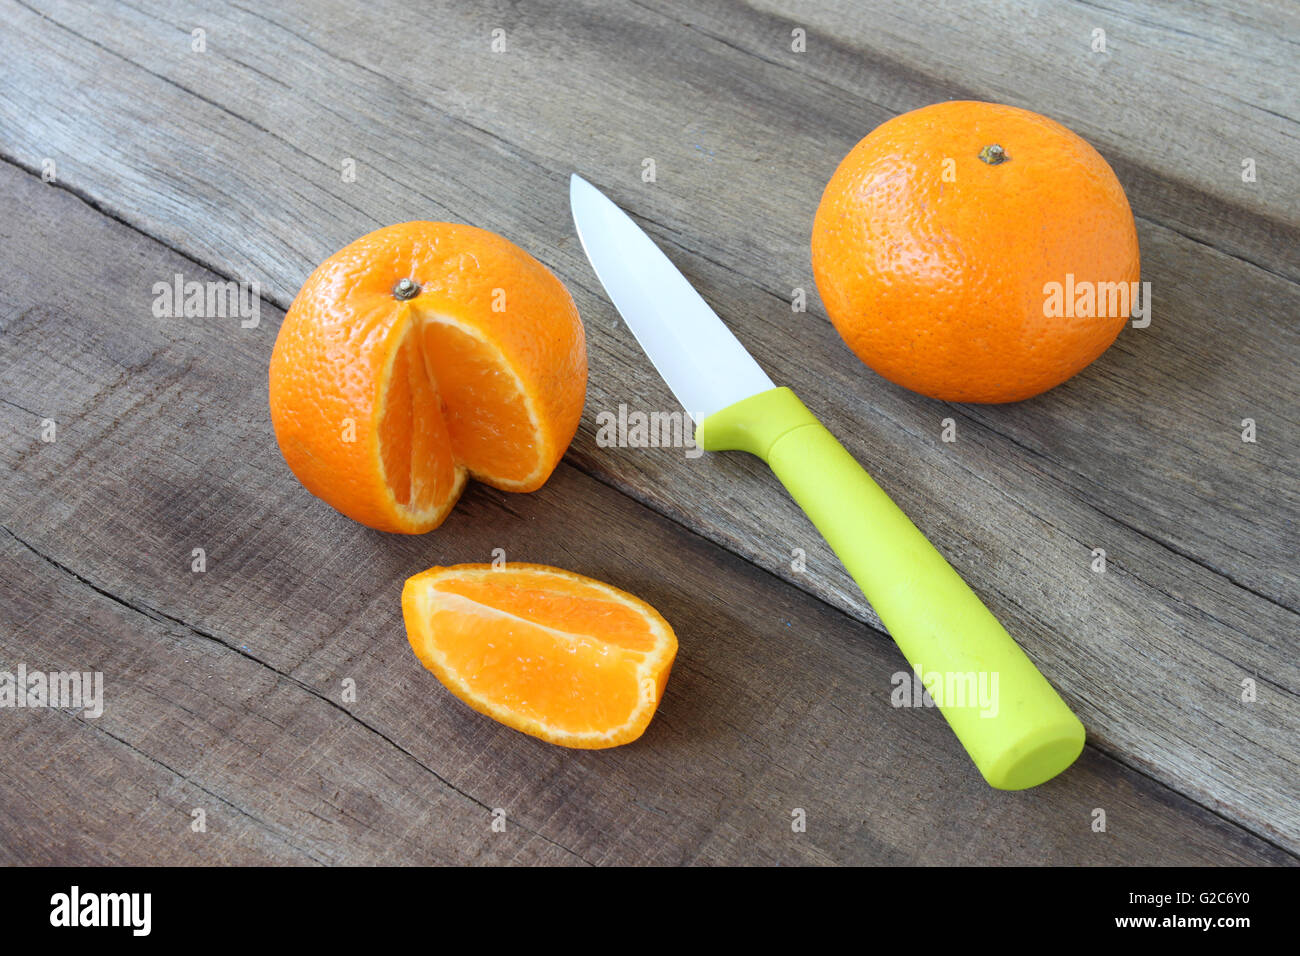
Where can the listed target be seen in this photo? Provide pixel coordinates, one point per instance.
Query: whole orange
(420, 354)
(975, 252)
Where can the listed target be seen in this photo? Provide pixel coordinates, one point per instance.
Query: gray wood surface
(230, 159)
(223, 690)
(1181, 95)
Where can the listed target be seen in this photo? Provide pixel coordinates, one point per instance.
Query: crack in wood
(162, 617)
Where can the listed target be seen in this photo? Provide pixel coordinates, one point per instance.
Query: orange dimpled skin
(562, 657)
(420, 354)
(939, 235)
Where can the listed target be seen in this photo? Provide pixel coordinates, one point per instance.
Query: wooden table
(137, 148)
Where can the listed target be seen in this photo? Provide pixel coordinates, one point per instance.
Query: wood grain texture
(1182, 94)
(223, 690)
(232, 157)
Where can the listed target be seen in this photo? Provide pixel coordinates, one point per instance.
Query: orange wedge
(418, 355)
(545, 651)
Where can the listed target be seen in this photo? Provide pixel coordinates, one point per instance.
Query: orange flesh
(561, 608)
(487, 416)
(450, 401)
(571, 683)
(413, 439)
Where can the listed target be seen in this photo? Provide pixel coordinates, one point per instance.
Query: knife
(1022, 737)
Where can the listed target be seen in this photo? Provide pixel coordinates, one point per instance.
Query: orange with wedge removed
(548, 652)
(420, 354)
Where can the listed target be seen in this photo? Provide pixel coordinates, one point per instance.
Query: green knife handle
(1020, 733)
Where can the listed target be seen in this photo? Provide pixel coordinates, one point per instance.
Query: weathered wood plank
(1182, 94)
(223, 690)
(190, 724)
(1169, 510)
(233, 157)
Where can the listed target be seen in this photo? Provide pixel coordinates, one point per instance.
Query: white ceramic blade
(699, 358)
